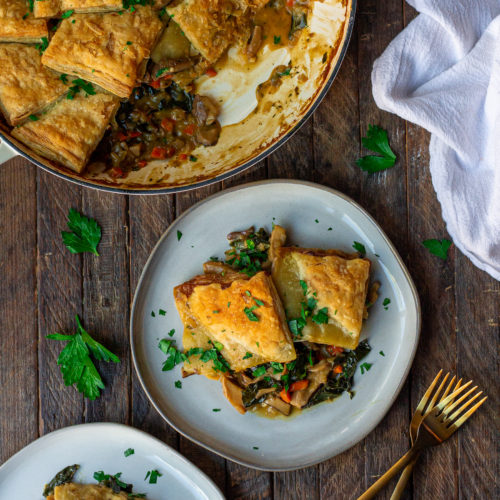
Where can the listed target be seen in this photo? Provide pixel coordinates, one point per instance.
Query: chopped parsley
(381, 353)
(247, 355)
(277, 40)
(171, 332)
(64, 78)
(376, 140)
(303, 284)
(248, 252)
(365, 367)
(67, 14)
(42, 47)
(250, 314)
(359, 247)
(153, 476)
(33, 118)
(128, 452)
(386, 303)
(178, 384)
(79, 84)
(153, 314)
(321, 317)
(162, 312)
(215, 409)
(259, 371)
(179, 235)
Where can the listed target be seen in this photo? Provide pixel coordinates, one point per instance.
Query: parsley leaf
(359, 247)
(179, 235)
(178, 384)
(67, 14)
(303, 284)
(365, 367)
(153, 476)
(439, 248)
(76, 365)
(376, 140)
(85, 235)
(247, 355)
(386, 303)
(321, 316)
(128, 452)
(250, 314)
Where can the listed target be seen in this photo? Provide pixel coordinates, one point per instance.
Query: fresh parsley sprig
(85, 235)
(75, 362)
(439, 248)
(376, 140)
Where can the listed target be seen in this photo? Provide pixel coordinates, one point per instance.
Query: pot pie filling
(278, 326)
(145, 55)
(108, 487)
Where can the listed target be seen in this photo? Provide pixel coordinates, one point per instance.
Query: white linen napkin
(443, 73)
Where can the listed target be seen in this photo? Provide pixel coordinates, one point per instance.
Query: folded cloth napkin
(443, 73)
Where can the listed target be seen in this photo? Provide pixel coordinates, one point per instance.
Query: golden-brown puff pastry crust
(210, 25)
(216, 311)
(26, 86)
(338, 281)
(55, 8)
(70, 131)
(109, 50)
(73, 491)
(18, 25)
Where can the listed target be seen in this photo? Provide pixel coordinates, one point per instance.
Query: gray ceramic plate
(101, 447)
(307, 211)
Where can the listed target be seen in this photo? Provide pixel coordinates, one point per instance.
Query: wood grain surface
(43, 286)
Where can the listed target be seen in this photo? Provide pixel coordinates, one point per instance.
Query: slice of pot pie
(241, 317)
(323, 291)
(210, 25)
(55, 8)
(110, 50)
(26, 86)
(74, 491)
(18, 25)
(71, 130)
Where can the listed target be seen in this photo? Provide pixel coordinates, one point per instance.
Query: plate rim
(392, 248)
(108, 425)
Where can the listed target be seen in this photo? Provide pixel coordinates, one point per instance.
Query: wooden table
(42, 287)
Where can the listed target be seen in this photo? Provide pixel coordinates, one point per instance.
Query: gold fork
(421, 411)
(437, 426)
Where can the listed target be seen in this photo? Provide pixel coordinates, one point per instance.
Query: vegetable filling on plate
(278, 326)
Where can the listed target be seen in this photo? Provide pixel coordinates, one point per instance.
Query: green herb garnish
(76, 364)
(439, 248)
(178, 384)
(376, 140)
(85, 235)
(153, 476)
(365, 367)
(250, 314)
(128, 452)
(179, 235)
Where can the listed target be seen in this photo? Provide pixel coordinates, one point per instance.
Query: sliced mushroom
(276, 241)
(317, 376)
(233, 394)
(241, 235)
(205, 110)
(278, 404)
(263, 392)
(255, 41)
(208, 135)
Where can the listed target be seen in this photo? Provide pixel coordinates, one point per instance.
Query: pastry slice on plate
(110, 50)
(18, 25)
(323, 291)
(26, 86)
(240, 317)
(70, 131)
(55, 8)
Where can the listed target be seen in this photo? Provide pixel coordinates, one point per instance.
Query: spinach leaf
(63, 476)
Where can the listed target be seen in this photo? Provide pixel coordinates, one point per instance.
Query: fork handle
(403, 480)
(383, 480)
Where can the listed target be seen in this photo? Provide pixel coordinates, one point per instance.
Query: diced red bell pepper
(168, 124)
(211, 72)
(189, 130)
